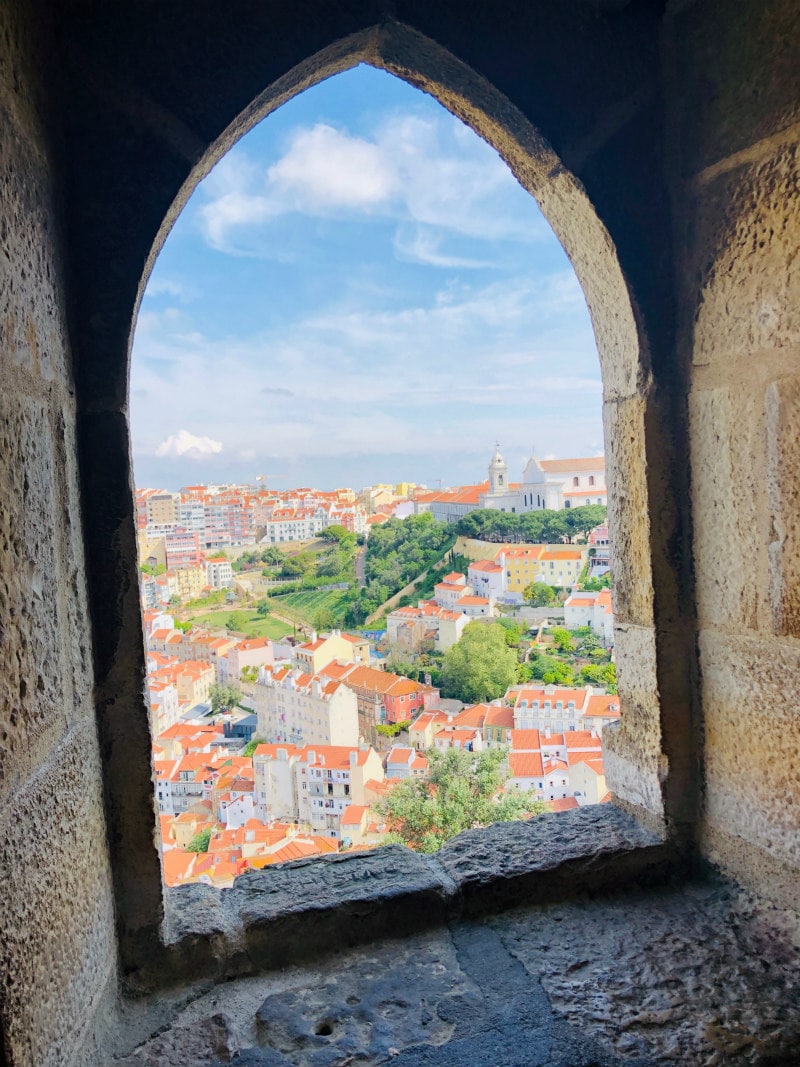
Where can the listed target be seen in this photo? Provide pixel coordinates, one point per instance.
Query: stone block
(783, 489)
(752, 735)
(727, 490)
(743, 272)
(737, 76)
(32, 690)
(33, 336)
(56, 907)
(272, 915)
(547, 857)
(633, 758)
(629, 524)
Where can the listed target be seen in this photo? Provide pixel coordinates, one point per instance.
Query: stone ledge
(551, 858)
(287, 913)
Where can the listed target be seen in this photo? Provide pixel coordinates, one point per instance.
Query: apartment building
(301, 708)
(219, 573)
(591, 609)
(313, 784)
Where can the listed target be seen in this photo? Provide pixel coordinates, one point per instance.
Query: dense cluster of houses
(312, 781)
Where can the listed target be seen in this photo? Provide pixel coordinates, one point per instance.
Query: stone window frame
(651, 756)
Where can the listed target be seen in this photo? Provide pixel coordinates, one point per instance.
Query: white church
(546, 483)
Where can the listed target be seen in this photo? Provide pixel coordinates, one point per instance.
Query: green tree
(513, 631)
(153, 568)
(262, 608)
(335, 533)
(480, 665)
(324, 619)
(224, 696)
(610, 677)
(200, 841)
(463, 790)
(592, 674)
(562, 638)
(539, 594)
(392, 729)
(237, 621)
(272, 555)
(299, 565)
(251, 746)
(594, 585)
(559, 674)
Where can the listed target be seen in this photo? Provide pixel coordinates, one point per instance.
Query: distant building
(591, 609)
(219, 573)
(301, 708)
(550, 484)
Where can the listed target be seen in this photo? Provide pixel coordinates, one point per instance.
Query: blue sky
(360, 292)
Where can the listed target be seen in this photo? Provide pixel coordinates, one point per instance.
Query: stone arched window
(154, 188)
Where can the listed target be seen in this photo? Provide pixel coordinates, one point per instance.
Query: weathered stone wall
(664, 153)
(56, 913)
(734, 83)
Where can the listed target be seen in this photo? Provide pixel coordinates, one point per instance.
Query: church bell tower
(498, 473)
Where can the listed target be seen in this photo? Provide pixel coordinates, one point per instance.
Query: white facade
(219, 573)
(594, 610)
(487, 578)
(164, 706)
(276, 782)
(300, 709)
(335, 779)
(550, 484)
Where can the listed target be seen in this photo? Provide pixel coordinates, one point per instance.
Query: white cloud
(417, 380)
(424, 246)
(325, 168)
(425, 171)
(180, 290)
(187, 445)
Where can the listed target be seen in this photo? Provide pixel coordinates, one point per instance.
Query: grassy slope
(255, 627)
(305, 605)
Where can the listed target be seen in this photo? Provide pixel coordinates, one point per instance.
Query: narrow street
(361, 557)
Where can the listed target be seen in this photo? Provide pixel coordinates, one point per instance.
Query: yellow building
(318, 653)
(521, 564)
(149, 548)
(562, 565)
(186, 582)
(376, 496)
(162, 509)
(552, 564)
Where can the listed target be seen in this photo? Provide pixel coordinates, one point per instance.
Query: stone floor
(695, 976)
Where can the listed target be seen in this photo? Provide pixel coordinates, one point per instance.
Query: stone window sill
(293, 912)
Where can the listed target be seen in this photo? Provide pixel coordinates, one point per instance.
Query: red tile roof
(525, 764)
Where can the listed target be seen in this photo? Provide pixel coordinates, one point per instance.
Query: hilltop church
(546, 483)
